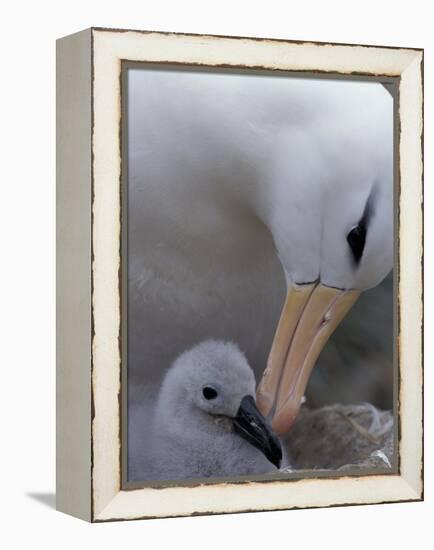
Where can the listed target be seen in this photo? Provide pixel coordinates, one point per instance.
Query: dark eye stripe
(356, 239)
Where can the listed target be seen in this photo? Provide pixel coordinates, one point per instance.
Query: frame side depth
(73, 275)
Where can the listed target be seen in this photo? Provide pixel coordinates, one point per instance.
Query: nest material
(342, 437)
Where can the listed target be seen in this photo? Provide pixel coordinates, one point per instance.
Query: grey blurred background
(357, 362)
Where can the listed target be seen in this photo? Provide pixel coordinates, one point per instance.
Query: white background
(27, 405)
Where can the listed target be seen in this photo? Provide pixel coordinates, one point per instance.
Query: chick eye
(209, 392)
(356, 238)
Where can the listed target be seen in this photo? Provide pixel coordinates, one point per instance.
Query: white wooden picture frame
(89, 319)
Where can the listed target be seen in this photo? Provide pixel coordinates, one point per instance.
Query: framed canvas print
(239, 274)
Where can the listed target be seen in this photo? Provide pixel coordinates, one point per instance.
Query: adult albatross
(239, 186)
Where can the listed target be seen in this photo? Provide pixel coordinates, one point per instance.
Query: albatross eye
(209, 392)
(356, 239)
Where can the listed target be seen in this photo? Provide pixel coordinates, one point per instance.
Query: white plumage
(239, 186)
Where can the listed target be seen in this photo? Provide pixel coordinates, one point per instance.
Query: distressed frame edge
(410, 291)
(407, 494)
(413, 492)
(251, 38)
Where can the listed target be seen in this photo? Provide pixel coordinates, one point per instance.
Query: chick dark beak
(254, 428)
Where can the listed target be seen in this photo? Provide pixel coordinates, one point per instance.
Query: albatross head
(211, 387)
(334, 240)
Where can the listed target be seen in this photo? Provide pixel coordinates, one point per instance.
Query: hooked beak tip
(254, 428)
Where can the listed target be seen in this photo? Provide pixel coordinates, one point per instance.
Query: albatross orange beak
(309, 317)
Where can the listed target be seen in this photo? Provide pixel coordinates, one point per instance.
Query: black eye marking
(209, 392)
(356, 238)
